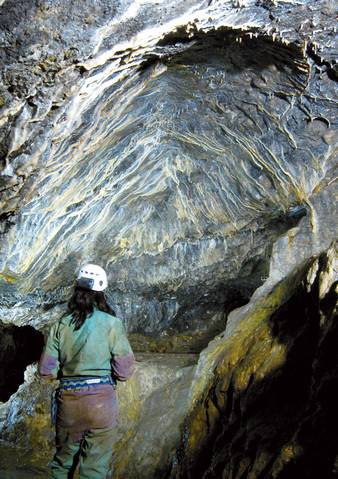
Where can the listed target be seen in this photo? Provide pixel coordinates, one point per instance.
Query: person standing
(88, 351)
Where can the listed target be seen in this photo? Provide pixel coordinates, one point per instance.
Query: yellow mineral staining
(291, 236)
(255, 354)
(7, 277)
(249, 351)
(246, 355)
(288, 452)
(130, 404)
(197, 431)
(48, 63)
(68, 54)
(37, 423)
(124, 243)
(312, 215)
(311, 275)
(129, 399)
(328, 274)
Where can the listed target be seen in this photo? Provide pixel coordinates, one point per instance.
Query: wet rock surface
(190, 149)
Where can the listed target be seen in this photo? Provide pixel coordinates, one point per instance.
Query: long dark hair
(82, 303)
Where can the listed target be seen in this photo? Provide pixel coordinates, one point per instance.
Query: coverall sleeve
(122, 356)
(49, 361)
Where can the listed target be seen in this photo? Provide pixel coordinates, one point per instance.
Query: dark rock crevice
(19, 347)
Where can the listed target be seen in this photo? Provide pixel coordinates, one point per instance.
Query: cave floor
(24, 474)
(15, 464)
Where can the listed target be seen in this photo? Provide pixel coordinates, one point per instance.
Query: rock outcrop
(265, 400)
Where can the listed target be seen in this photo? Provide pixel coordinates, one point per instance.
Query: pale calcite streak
(222, 15)
(146, 38)
(129, 173)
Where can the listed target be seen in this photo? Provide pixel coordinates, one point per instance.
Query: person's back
(95, 348)
(89, 352)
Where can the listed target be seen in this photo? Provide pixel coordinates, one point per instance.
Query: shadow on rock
(282, 425)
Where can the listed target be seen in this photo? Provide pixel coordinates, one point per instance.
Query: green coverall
(87, 416)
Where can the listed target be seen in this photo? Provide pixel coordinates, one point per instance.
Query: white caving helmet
(92, 276)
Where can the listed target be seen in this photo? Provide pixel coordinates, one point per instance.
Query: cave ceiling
(174, 157)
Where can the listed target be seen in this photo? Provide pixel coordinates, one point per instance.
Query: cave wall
(269, 408)
(263, 397)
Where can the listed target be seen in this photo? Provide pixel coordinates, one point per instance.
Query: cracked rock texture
(189, 147)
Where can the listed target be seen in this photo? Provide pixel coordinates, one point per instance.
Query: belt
(78, 383)
(69, 383)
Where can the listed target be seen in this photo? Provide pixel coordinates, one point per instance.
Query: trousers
(85, 430)
(93, 453)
